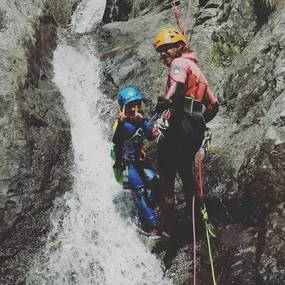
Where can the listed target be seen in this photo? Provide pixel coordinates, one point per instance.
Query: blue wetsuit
(128, 141)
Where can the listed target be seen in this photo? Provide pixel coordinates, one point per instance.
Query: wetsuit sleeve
(118, 137)
(211, 104)
(118, 141)
(147, 129)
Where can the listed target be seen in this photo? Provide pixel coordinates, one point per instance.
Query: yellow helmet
(169, 36)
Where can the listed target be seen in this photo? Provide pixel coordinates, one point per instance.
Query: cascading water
(93, 243)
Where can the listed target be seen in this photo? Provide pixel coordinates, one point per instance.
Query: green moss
(225, 50)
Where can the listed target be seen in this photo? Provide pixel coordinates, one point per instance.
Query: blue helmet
(128, 95)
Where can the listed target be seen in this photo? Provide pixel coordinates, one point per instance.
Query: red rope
(187, 17)
(201, 194)
(182, 27)
(194, 240)
(178, 19)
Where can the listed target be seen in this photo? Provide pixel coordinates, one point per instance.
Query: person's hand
(162, 105)
(138, 116)
(160, 97)
(122, 116)
(155, 132)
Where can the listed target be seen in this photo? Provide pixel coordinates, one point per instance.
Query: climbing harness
(122, 173)
(137, 137)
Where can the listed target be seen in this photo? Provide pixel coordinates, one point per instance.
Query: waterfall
(91, 242)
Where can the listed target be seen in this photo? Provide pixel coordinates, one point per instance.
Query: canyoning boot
(163, 242)
(157, 231)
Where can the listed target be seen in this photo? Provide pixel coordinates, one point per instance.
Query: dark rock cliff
(240, 45)
(35, 153)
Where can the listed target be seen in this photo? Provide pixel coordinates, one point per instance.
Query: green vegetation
(274, 3)
(228, 47)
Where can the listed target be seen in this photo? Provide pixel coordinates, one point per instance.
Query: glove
(162, 105)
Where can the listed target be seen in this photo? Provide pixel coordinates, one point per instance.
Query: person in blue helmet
(130, 130)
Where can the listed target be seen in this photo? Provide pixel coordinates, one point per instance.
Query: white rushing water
(93, 243)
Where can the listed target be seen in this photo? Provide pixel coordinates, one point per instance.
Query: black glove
(162, 105)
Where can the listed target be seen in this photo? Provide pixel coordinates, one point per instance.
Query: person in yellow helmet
(186, 95)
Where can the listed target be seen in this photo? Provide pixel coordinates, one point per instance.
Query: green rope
(208, 231)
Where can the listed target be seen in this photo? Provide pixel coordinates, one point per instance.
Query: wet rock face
(35, 158)
(240, 45)
(272, 262)
(117, 10)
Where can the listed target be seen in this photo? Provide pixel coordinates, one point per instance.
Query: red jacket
(184, 69)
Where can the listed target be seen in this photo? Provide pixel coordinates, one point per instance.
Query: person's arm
(118, 141)
(177, 80)
(211, 104)
(118, 137)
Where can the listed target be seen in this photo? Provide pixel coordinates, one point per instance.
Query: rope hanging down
(182, 27)
(205, 218)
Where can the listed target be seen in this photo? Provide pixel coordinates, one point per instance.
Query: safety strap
(195, 87)
(192, 95)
